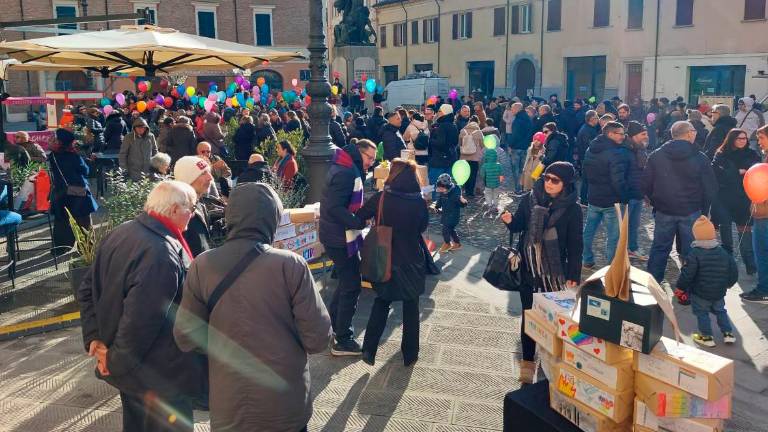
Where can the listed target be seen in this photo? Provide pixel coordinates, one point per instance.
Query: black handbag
(376, 256)
(503, 269)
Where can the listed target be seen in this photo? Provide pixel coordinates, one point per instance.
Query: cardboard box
(663, 400)
(548, 362)
(381, 172)
(285, 218)
(617, 376)
(688, 368)
(422, 174)
(568, 330)
(408, 154)
(380, 184)
(303, 215)
(311, 252)
(298, 242)
(645, 420)
(616, 405)
(549, 304)
(293, 230)
(636, 324)
(584, 417)
(542, 332)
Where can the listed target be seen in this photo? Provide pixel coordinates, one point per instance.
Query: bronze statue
(355, 27)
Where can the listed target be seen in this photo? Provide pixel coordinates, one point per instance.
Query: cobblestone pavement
(469, 344)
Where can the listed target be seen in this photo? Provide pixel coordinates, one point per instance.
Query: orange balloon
(141, 106)
(756, 183)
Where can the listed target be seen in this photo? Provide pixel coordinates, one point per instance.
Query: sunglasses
(552, 179)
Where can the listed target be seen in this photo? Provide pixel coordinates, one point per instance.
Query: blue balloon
(213, 88)
(193, 99)
(370, 85)
(264, 89)
(222, 96)
(230, 92)
(241, 99)
(181, 90)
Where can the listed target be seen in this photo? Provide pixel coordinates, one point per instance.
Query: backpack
(422, 141)
(468, 145)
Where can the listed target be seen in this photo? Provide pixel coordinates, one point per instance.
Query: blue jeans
(635, 209)
(702, 309)
(760, 246)
(433, 174)
(666, 227)
(596, 215)
(517, 163)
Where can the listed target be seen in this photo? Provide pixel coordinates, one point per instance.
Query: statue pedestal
(354, 61)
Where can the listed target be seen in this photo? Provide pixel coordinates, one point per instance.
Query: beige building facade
(580, 48)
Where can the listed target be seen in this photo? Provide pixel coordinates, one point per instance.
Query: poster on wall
(43, 138)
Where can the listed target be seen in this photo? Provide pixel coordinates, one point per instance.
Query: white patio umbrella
(148, 48)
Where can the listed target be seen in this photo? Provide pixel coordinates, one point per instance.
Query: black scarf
(541, 243)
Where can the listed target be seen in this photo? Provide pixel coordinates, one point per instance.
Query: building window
(521, 19)
(635, 14)
(414, 32)
(383, 36)
(754, 10)
(602, 16)
(391, 73)
(271, 78)
(684, 15)
(400, 34)
(206, 22)
(431, 30)
(425, 67)
(554, 15)
(462, 25)
(262, 26)
(151, 9)
(499, 21)
(65, 10)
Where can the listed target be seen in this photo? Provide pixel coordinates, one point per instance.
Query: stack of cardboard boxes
(298, 232)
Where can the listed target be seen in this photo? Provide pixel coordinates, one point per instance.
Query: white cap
(446, 109)
(189, 168)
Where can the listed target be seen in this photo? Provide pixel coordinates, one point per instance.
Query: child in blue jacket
(450, 202)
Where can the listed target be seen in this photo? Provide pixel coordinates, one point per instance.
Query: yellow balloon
(190, 91)
(335, 90)
(141, 106)
(235, 103)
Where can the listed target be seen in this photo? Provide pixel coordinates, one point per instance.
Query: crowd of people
(174, 342)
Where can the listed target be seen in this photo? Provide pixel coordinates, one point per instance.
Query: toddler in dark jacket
(450, 201)
(708, 272)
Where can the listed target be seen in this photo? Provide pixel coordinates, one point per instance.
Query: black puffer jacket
(374, 128)
(392, 140)
(715, 138)
(708, 272)
(443, 143)
(335, 216)
(608, 168)
(338, 136)
(679, 179)
(114, 131)
(556, 149)
(585, 136)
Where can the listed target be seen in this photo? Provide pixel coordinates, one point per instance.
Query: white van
(412, 93)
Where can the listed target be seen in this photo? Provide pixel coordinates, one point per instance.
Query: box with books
(664, 400)
(542, 332)
(568, 329)
(550, 304)
(646, 420)
(615, 405)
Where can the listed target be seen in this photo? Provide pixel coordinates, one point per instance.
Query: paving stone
(459, 384)
(474, 338)
(405, 405)
(500, 362)
(490, 416)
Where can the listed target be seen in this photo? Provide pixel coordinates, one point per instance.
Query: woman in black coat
(731, 162)
(405, 211)
(70, 190)
(244, 138)
(556, 148)
(550, 223)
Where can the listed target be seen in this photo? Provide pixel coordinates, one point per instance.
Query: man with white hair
(128, 304)
(196, 172)
(680, 183)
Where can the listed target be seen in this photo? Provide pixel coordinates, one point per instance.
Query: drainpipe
(541, 50)
(405, 42)
(506, 48)
(106, 11)
(237, 32)
(656, 51)
(437, 3)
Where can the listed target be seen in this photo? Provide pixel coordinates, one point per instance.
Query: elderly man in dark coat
(128, 317)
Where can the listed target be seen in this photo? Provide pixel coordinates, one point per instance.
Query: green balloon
(490, 141)
(201, 102)
(460, 172)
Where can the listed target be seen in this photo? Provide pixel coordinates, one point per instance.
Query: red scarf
(167, 223)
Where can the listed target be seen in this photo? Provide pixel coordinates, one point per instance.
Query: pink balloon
(209, 104)
(228, 102)
(294, 82)
(108, 109)
(120, 99)
(213, 97)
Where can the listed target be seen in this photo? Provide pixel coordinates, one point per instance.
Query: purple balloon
(246, 84)
(159, 99)
(239, 79)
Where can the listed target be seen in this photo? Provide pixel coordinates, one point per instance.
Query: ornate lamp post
(319, 151)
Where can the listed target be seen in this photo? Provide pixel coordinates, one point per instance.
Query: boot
(527, 371)
(747, 253)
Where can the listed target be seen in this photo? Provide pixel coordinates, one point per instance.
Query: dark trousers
(469, 186)
(155, 415)
(63, 237)
(450, 234)
(344, 302)
(529, 346)
(378, 320)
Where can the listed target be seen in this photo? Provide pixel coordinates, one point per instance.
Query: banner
(42, 138)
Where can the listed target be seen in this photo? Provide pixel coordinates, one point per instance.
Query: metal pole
(541, 52)
(656, 51)
(319, 152)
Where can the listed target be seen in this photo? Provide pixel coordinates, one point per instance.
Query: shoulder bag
(503, 269)
(376, 256)
(76, 191)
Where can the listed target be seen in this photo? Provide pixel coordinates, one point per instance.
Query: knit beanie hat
(444, 180)
(563, 170)
(446, 109)
(189, 168)
(635, 128)
(703, 229)
(65, 136)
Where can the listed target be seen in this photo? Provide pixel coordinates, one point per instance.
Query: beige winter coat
(412, 131)
(531, 161)
(477, 134)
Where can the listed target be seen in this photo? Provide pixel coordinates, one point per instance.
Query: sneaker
(729, 338)
(455, 246)
(346, 348)
(755, 297)
(444, 248)
(705, 341)
(638, 256)
(588, 266)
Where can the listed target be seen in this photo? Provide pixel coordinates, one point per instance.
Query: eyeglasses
(742, 138)
(368, 156)
(552, 179)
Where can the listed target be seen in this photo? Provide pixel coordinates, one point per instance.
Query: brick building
(279, 23)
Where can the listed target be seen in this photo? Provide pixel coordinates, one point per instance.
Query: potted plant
(86, 242)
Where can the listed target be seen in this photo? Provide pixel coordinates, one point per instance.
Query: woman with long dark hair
(732, 160)
(550, 225)
(403, 209)
(286, 166)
